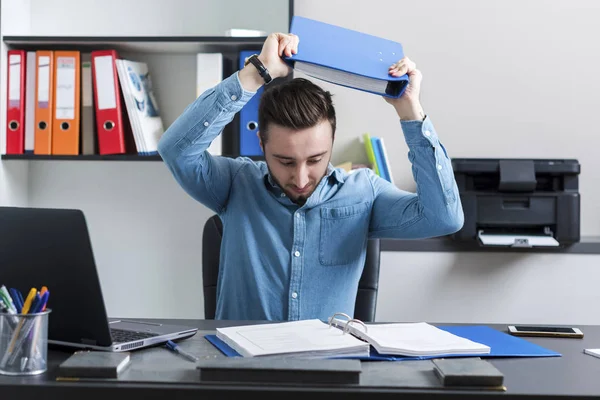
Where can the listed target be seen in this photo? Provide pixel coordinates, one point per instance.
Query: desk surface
(160, 373)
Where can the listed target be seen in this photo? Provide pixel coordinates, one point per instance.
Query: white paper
(44, 81)
(130, 106)
(65, 88)
(14, 92)
(517, 240)
(592, 352)
(30, 102)
(142, 107)
(341, 77)
(105, 82)
(416, 339)
(310, 338)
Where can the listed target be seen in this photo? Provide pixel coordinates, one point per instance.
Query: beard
(301, 200)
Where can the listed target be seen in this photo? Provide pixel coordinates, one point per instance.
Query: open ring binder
(315, 337)
(345, 327)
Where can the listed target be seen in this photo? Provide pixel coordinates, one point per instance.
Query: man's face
(298, 160)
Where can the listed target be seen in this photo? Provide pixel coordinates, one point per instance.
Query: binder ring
(347, 326)
(13, 125)
(252, 125)
(64, 126)
(108, 125)
(332, 318)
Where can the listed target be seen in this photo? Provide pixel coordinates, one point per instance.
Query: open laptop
(51, 247)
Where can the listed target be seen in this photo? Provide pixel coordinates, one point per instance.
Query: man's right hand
(274, 48)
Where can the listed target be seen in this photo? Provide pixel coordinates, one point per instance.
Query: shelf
(95, 157)
(146, 44)
(587, 245)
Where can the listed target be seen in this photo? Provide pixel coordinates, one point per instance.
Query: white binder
(209, 72)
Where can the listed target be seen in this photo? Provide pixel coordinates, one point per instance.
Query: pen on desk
(174, 347)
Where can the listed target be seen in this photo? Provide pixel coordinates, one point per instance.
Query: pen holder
(24, 343)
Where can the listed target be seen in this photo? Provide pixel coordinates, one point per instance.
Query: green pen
(8, 302)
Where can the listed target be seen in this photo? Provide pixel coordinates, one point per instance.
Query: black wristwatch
(262, 70)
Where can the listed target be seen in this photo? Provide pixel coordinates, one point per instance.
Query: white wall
(503, 79)
(513, 78)
(13, 176)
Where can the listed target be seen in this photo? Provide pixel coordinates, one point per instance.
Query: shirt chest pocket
(343, 233)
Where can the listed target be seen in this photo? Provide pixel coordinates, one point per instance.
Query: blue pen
(43, 300)
(174, 347)
(17, 299)
(34, 304)
(21, 299)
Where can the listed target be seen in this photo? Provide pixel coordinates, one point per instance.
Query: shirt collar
(331, 172)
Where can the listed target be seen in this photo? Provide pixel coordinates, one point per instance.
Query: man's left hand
(408, 106)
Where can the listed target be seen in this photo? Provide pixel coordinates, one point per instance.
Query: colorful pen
(29, 301)
(42, 291)
(15, 295)
(8, 301)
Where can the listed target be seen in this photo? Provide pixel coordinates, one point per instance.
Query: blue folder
(249, 143)
(380, 158)
(335, 48)
(501, 345)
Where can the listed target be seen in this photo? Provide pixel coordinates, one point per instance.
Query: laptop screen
(51, 247)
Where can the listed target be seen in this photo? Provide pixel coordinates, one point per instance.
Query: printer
(518, 202)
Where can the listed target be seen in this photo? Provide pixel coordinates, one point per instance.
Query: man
(296, 228)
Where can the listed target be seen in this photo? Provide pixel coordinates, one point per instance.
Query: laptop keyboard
(122, 336)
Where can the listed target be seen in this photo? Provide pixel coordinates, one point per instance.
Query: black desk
(164, 375)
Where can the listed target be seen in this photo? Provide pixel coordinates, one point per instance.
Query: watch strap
(262, 70)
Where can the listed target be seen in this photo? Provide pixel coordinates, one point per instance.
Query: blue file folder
(248, 117)
(501, 345)
(380, 158)
(346, 57)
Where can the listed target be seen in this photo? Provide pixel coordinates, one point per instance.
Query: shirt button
(298, 215)
(427, 133)
(234, 97)
(294, 295)
(282, 194)
(297, 253)
(206, 123)
(439, 167)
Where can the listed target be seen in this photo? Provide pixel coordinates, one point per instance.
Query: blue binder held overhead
(248, 129)
(346, 57)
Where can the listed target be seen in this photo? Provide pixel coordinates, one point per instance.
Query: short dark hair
(295, 104)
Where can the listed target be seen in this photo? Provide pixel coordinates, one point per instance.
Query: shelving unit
(162, 53)
(138, 44)
(165, 35)
(85, 157)
(587, 245)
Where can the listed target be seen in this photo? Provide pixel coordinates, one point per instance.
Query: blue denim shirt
(280, 261)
